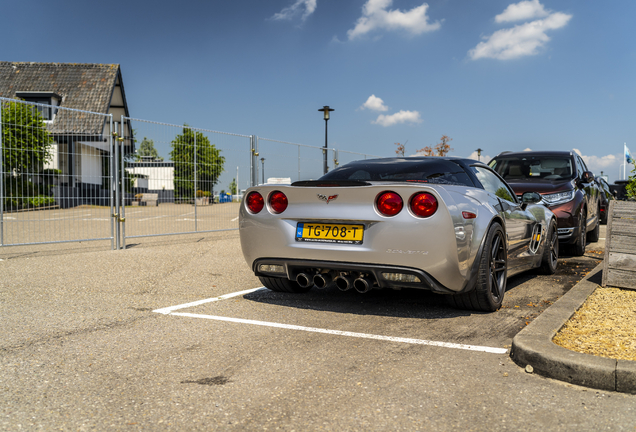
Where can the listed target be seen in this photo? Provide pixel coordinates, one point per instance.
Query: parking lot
(176, 333)
(89, 222)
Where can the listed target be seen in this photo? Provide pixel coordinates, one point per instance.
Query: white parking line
(236, 218)
(156, 217)
(170, 311)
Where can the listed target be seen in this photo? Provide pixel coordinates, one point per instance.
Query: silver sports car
(449, 225)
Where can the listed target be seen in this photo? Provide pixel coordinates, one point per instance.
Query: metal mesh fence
(293, 162)
(284, 160)
(55, 183)
(183, 179)
(70, 175)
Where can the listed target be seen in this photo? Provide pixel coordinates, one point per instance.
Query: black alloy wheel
(497, 265)
(491, 278)
(550, 258)
(578, 248)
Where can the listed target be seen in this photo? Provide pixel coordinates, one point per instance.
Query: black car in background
(566, 185)
(605, 197)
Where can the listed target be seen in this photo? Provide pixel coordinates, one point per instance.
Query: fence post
(195, 181)
(253, 161)
(117, 187)
(112, 183)
(1, 177)
(122, 211)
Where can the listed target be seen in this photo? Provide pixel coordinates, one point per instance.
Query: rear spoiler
(330, 183)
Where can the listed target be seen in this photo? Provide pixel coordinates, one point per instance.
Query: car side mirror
(588, 177)
(530, 198)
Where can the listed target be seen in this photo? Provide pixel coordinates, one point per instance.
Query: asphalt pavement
(176, 333)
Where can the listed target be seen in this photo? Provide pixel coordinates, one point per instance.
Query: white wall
(158, 177)
(90, 161)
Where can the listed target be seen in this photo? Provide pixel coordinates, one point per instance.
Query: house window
(47, 102)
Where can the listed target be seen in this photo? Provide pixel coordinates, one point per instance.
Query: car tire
(594, 235)
(550, 258)
(578, 248)
(282, 285)
(488, 294)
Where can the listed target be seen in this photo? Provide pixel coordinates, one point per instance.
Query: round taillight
(255, 202)
(277, 202)
(424, 204)
(389, 203)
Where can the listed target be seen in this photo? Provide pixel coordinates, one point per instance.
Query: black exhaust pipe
(363, 284)
(304, 280)
(344, 283)
(322, 280)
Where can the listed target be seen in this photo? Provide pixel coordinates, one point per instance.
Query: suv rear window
(534, 168)
(416, 171)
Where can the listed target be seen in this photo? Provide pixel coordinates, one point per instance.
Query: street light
(479, 154)
(263, 168)
(326, 111)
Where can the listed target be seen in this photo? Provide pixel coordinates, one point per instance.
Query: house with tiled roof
(82, 149)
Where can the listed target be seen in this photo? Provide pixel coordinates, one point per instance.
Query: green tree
(209, 164)
(630, 188)
(233, 187)
(26, 147)
(26, 144)
(147, 148)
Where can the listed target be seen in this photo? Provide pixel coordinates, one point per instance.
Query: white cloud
(524, 10)
(521, 40)
(596, 163)
(307, 7)
(374, 104)
(397, 118)
(484, 157)
(375, 15)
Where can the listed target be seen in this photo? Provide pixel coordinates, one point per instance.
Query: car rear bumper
(383, 275)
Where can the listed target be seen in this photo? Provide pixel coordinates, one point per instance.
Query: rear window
(432, 171)
(534, 167)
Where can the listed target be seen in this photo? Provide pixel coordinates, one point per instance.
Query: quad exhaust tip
(322, 280)
(344, 283)
(304, 280)
(363, 284)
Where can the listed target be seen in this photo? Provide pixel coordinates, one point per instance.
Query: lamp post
(479, 154)
(326, 111)
(263, 168)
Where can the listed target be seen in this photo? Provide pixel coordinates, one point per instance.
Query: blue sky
(496, 75)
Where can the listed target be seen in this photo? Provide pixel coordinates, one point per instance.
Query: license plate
(329, 233)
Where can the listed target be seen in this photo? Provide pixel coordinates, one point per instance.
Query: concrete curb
(533, 346)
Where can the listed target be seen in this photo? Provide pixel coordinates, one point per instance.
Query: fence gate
(197, 190)
(56, 174)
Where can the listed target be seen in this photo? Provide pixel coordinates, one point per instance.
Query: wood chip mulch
(604, 326)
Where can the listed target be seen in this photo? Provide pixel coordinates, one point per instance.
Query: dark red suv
(566, 185)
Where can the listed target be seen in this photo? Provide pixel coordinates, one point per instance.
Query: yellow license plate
(329, 233)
